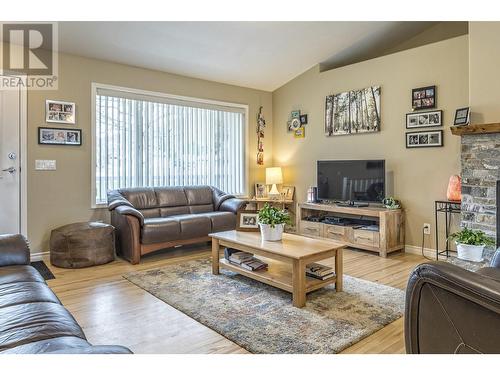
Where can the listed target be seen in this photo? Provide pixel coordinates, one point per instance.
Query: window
(152, 139)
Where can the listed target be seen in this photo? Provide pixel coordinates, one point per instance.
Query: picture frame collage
(424, 98)
(297, 123)
(60, 112)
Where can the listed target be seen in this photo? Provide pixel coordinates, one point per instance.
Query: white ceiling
(261, 55)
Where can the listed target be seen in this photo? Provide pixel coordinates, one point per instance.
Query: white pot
(473, 253)
(271, 234)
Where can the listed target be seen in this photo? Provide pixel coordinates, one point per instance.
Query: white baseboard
(417, 250)
(38, 256)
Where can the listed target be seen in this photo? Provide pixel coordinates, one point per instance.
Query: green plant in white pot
(471, 243)
(272, 221)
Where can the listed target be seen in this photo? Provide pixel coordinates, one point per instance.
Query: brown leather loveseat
(32, 319)
(150, 219)
(452, 310)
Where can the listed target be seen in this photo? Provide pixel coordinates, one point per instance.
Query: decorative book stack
(319, 271)
(244, 260)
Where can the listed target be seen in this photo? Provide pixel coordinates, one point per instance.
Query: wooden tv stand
(388, 238)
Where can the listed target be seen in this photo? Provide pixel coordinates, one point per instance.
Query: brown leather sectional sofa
(150, 219)
(452, 310)
(32, 319)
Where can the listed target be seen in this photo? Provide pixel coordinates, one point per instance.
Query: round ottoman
(81, 245)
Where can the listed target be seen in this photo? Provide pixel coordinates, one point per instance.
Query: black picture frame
(59, 136)
(460, 119)
(424, 98)
(303, 119)
(428, 122)
(423, 144)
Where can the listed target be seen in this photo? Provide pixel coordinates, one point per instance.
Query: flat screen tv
(351, 180)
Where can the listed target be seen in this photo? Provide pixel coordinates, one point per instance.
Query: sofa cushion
(49, 345)
(193, 226)
(22, 324)
(221, 221)
(170, 211)
(15, 274)
(160, 229)
(140, 198)
(150, 212)
(197, 195)
(25, 292)
(201, 208)
(171, 196)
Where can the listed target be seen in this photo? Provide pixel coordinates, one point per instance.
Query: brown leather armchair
(32, 319)
(150, 219)
(452, 310)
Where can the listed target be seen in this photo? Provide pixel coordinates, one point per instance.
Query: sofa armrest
(95, 349)
(14, 250)
(127, 210)
(441, 300)
(232, 205)
(495, 260)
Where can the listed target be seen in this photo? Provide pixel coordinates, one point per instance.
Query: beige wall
(63, 196)
(484, 79)
(420, 175)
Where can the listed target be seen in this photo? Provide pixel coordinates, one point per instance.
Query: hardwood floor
(112, 310)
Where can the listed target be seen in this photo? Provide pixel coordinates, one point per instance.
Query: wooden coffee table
(295, 251)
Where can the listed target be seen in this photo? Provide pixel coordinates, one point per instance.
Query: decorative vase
(454, 192)
(271, 234)
(473, 253)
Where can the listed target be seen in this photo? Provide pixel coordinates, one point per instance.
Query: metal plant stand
(448, 208)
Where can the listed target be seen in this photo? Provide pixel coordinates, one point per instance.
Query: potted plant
(272, 221)
(391, 203)
(471, 243)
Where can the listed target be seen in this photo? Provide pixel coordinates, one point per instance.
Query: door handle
(10, 170)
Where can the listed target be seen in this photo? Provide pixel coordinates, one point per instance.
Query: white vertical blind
(140, 141)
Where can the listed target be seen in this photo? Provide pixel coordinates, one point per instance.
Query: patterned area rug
(261, 319)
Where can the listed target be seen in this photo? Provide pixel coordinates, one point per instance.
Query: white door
(10, 176)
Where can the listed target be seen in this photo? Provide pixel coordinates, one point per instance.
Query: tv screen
(351, 180)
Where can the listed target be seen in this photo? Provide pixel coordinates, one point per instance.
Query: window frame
(96, 86)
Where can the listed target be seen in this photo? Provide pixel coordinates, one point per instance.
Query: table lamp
(274, 176)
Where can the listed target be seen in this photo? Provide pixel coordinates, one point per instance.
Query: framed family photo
(54, 136)
(461, 116)
(429, 138)
(247, 221)
(261, 190)
(423, 98)
(424, 119)
(287, 192)
(60, 112)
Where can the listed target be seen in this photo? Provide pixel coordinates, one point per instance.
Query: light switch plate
(45, 165)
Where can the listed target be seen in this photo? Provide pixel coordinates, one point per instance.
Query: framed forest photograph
(353, 112)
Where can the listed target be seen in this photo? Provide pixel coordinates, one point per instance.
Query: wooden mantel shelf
(476, 129)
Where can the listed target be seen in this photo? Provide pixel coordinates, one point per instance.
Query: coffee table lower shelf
(276, 275)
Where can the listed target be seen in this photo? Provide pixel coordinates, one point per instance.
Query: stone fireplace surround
(480, 160)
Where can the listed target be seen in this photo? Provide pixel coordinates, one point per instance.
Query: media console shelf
(388, 238)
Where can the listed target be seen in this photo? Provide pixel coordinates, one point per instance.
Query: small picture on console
(247, 221)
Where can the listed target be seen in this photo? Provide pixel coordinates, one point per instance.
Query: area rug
(261, 318)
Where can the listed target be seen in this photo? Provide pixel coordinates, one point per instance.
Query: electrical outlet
(427, 228)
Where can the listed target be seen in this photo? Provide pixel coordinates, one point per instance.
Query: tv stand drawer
(366, 237)
(310, 228)
(334, 232)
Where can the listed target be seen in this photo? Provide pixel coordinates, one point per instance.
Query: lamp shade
(274, 176)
